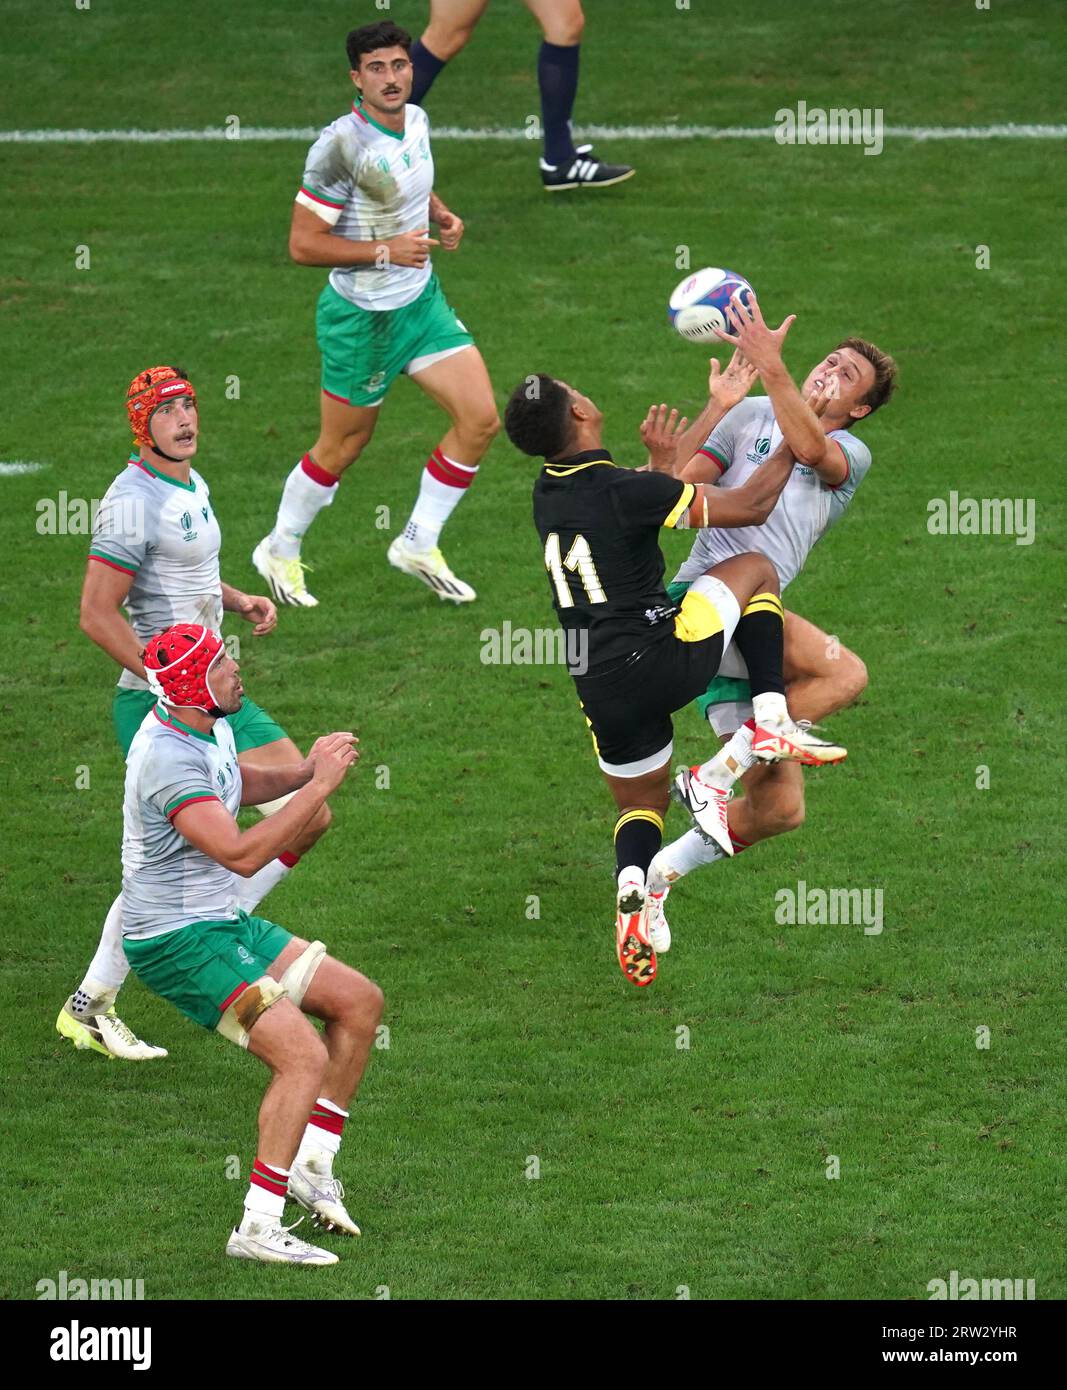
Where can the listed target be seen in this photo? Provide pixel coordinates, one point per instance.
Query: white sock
(444, 482)
(107, 969)
(734, 758)
(769, 708)
(676, 860)
(252, 891)
(262, 1206)
(318, 1145)
(307, 490)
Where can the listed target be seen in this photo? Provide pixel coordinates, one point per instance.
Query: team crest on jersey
(760, 452)
(423, 151)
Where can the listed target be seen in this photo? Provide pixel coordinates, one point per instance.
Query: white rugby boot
(707, 805)
(285, 577)
(314, 1186)
(635, 953)
(268, 1240)
(431, 567)
(105, 1033)
(659, 933)
(783, 740)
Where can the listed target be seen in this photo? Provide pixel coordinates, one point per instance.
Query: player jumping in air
(190, 941)
(155, 551)
(365, 209)
(642, 657)
(856, 378)
(564, 165)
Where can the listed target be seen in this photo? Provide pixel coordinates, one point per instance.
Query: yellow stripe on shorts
(653, 817)
(698, 620)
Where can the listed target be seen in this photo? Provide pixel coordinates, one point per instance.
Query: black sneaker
(583, 172)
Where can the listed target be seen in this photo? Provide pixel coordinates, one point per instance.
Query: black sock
(758, 638)
(638, 836)
(426, 65)
(557, 75)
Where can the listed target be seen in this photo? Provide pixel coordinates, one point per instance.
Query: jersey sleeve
(858, 457)
(120, 531)
(721, 443)
(175, 778)
(328, 178)
(652, 499)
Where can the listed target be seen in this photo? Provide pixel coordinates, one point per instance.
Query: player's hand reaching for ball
(330, 758)
(660, 432)
(761, 345)
(410, 248)
(727, 388)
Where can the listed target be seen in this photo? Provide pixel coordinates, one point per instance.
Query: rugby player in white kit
(822, 676)
(364, 209)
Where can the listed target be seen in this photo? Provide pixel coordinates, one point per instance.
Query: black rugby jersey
(599, 526)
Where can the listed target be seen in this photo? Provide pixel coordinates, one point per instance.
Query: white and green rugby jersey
(369, 184)
(742, 440)
(166, 882)
(163, 533)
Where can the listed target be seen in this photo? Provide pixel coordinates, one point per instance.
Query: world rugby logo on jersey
(760, 452)
(186, 523)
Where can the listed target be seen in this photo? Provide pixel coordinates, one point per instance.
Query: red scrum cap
(178, 665)
(147, 392)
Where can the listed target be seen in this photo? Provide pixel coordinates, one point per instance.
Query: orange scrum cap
(147, 392)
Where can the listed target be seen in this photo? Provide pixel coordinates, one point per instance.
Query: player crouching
(244, 977)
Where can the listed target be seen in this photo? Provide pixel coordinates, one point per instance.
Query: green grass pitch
(512, 1038)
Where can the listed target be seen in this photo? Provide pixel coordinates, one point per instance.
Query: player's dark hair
(384, 34)
(885, 371)
(537, 417)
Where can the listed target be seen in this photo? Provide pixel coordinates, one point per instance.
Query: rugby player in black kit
(636, 656)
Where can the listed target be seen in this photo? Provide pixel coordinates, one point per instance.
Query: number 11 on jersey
(580, 562)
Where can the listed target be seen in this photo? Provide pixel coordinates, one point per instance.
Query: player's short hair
(885, 371)
(384, 34)
(537, 417)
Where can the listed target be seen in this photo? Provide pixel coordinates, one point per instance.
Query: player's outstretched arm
(749, 505)
(799, 423)
(210, 827)
(104, 590)
(673, 444)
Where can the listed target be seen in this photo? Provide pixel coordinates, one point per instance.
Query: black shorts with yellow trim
(628, 704)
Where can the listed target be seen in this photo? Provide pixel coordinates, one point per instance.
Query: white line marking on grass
(19, 466)
(596, 132)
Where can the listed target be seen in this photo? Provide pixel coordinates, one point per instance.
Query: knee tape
(236, 1021)
(297, 975)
